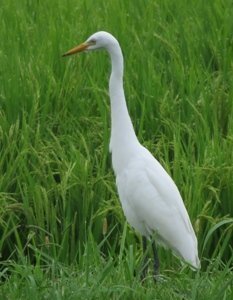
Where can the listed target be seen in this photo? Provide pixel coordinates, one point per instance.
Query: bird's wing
(166, 188)
(151, 198)
(170, 194)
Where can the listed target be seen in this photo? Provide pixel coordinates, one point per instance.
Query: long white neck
(123, 141)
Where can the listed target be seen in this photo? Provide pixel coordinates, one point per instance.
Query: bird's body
(150, 199)
(156, 209)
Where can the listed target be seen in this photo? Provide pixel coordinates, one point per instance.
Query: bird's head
(98, 40)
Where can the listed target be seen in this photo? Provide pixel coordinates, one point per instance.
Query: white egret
(149, 197)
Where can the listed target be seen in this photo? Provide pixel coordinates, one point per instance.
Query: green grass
(63, 233)
(94, 278)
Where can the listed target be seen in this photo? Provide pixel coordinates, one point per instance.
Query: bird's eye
(92, 42)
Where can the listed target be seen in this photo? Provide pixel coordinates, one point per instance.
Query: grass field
(62, 231)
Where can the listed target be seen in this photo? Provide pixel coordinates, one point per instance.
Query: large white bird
(149, 197)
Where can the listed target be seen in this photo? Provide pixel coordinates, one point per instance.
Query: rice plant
(60, 217)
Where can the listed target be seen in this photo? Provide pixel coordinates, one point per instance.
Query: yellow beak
(77, 49)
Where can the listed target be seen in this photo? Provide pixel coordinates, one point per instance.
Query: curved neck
(123, 138)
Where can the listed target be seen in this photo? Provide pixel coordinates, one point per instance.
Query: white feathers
(150, 199)
(153, 206)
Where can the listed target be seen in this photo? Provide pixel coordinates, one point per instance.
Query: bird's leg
(145, 261)
(156, 260)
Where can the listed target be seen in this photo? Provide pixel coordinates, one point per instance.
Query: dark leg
(145, 260)
(156, 260)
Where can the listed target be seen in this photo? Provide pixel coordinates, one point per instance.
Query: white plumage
(150, 199)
